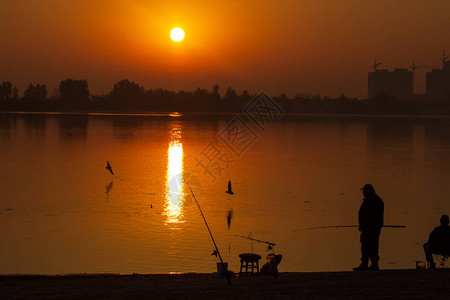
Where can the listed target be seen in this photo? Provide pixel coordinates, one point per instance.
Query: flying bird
(108, 167)
(229, 188)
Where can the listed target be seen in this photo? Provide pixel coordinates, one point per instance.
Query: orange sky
(321, 47)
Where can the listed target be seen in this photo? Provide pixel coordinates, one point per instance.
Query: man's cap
(445, 219)
(368, 187)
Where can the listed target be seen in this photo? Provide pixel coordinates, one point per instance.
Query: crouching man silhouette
(438, 242)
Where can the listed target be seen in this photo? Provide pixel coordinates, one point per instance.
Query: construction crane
(414, 67)
(444, 57)
(375, 65)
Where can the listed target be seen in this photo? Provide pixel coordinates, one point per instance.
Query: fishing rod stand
(250, 237)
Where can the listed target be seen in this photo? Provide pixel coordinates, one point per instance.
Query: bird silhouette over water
(229, 216)
(229, 188)
(108, 167)
(109, 188)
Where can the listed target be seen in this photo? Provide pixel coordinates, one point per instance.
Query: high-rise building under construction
(438, 82)
(398, 84)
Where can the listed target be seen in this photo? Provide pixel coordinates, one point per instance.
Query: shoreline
(175, 114)
(409, 283)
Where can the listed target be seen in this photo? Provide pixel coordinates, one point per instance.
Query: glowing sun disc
(177, 34)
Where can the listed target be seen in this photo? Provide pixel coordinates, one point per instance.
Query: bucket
(420, 265)
(220, 267)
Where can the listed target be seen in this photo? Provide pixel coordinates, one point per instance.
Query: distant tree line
(8, 91)
(129, 96)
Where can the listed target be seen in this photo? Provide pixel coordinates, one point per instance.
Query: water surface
(62, 212)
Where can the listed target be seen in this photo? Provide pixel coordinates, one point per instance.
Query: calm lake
(62, 211)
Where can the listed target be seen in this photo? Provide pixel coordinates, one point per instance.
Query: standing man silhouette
(370, 219)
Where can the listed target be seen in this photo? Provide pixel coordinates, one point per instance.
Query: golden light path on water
(174, 178)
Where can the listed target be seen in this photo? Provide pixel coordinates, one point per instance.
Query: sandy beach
(406, 284)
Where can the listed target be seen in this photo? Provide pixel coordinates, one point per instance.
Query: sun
(177, 34)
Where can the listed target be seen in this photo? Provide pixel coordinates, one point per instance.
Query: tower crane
(444, 57)
(414, 67)
(375, 65)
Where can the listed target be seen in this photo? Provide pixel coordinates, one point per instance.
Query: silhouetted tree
(6, 91)
(74, 93)
(200, 93)
(35, 93)
(230, 93)
(15, 93)
(285, 102)
(127, 93)
(230, 100)
(216, 89)
(245, 94)
(214, 100)
(30, 92)
(125, 88)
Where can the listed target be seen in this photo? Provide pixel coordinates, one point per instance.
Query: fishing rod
(351, 226)
(250, 237)
(212, 238)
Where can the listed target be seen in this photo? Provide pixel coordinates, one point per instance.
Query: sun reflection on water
(174, 179)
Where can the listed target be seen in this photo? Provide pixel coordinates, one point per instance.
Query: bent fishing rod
(212, 238)
(250, 237)
(351, 226)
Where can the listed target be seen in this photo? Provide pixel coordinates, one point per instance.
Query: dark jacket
(370, 214)
(440, 238)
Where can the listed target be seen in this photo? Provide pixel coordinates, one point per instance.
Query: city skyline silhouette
(297, 47)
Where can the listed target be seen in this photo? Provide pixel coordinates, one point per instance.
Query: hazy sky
(321, 47)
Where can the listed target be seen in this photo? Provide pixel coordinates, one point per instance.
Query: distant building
(397, 84)
(438, 83)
